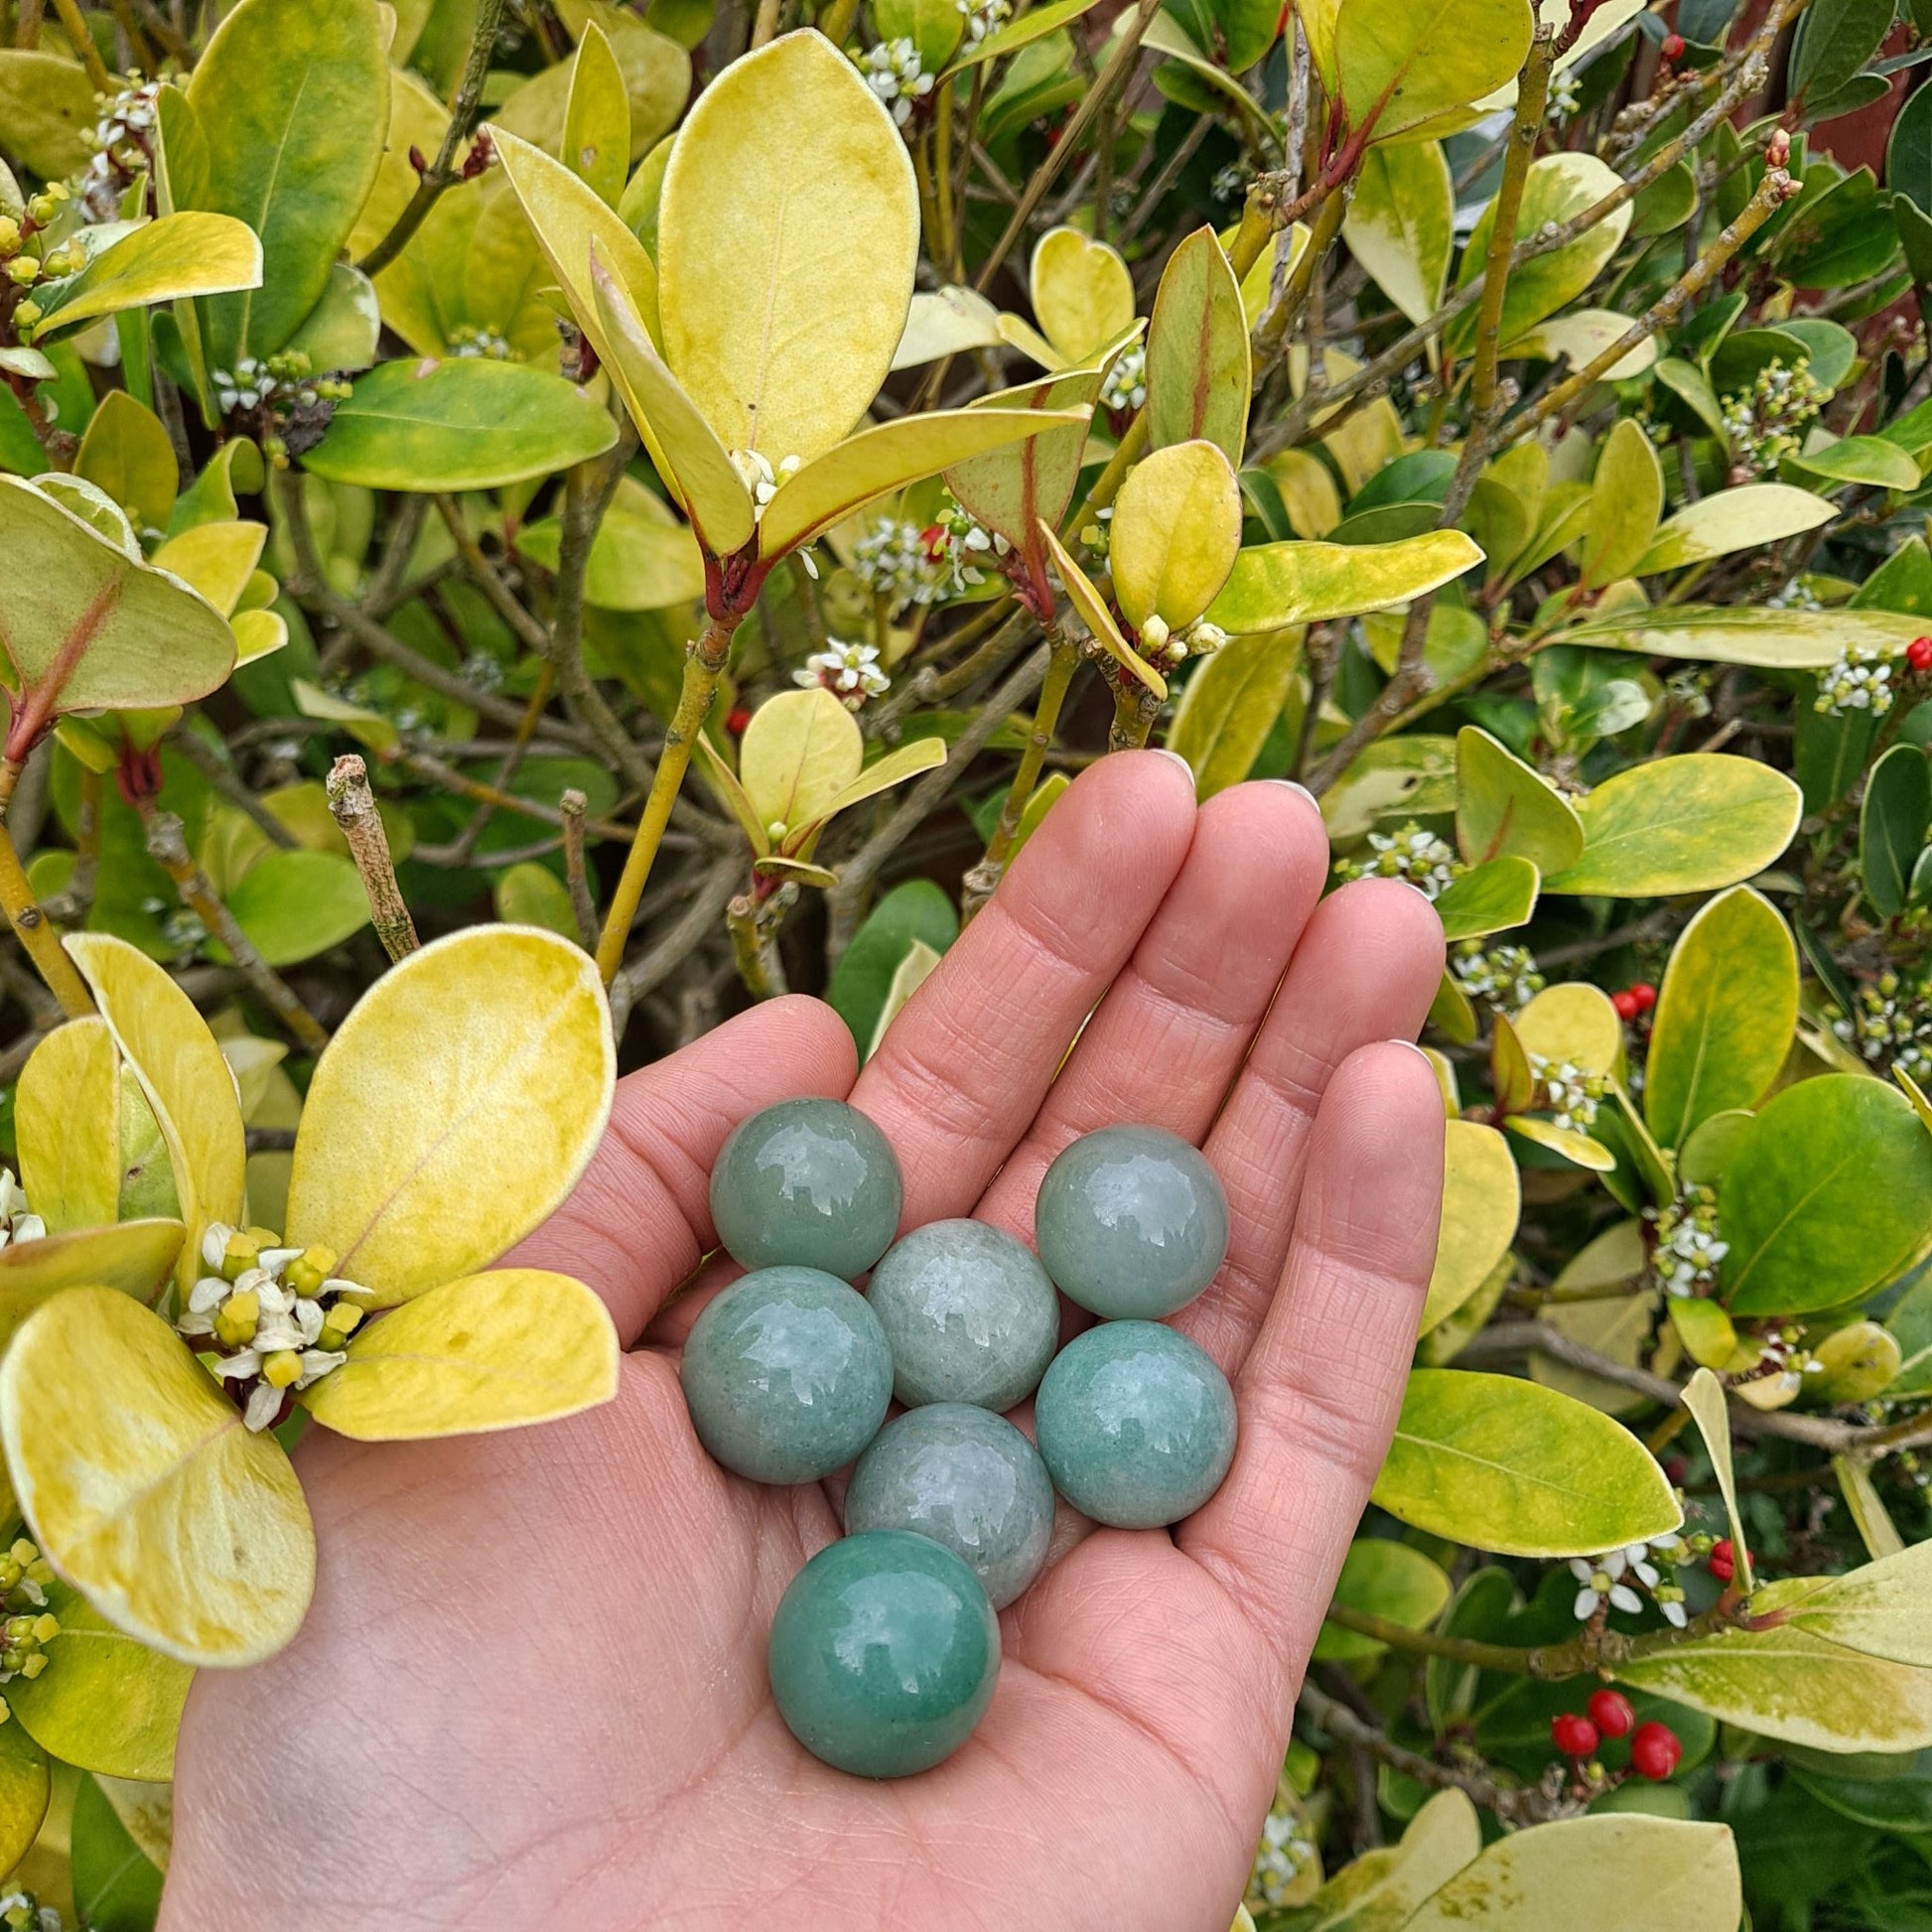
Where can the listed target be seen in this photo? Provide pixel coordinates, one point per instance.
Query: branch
(353, 806)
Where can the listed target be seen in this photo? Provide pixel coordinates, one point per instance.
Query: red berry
(1572, 1735)
(1645, 995)
(1655, 1752)
(1918, 653)
(1672, 46)
(1611, 1712)
(932, 540)
(735, 721)
(1723, 1560)
(1625, 1003)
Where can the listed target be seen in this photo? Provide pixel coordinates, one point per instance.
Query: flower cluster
(1427, 863)
(25, 1626)
(1797, 595)
(18, 1222)
(1610, 1581)
(892, 561)
(1504, 978)
(122, 140)
(469, 340)
(1890, 1022)
(1566, 91)
(1281, 1857)
(21, 1911)
(1126, 383)
(1570, 1094)
(956, 543)
(983, 17)
(761, 479)
(1783, 1362)
(849, 671)
(277, 384)
(1766, 423)
(895, 72)
(276, 1319)
(1860, 680)
(21, 268)
(1687, 1251)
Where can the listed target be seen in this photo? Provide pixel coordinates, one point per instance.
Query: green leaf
(177, 255)
(530, 894)
(1747, 635)
(914, 913)
(1035, 24)
(1503, 805)
(1412, 775)
(47, 107)
(295, 905)
(105, 1701)
(1387, 1580)
(1275, 584)
(127, 453)
(1831, 1154)
(642, 558)
(1637, 1874)
(1911, 1322)
(292, 98)
(1745, 518)
(1197, 351)
(1503, 1464)
(116, 1888)
(465, 424)
(1837, 38)
(1490, 898)
(1868, 459)
(1908, 151)
(1625, 499)
(1688, 824)
(1402, 62)
(1892, 826)
(786, 151)
(343, 328)
(23, 1789)
(1401, 222)
(1725, 1014)
(1230, 705)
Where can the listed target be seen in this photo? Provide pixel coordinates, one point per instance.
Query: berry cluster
(1633, 1002)
(1655, 1748)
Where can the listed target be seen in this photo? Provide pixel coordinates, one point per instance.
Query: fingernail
(1418, 1052)
(1161, 751)
(1291, 784)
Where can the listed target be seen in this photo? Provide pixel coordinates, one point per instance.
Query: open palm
(532, 1687)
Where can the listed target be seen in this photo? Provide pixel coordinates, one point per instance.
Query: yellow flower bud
(9, 234)
(309, 1269)
(22, 271)
(46, 1628)
(26, 313)
(33, 1666)
(23, 1552)
(282, 1368)
(242, 1253)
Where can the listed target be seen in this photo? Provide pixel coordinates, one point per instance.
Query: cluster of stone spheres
(886, 1646)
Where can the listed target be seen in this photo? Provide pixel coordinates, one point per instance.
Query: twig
(168, 849)
(572, 804)
(220, 775)
(36, 933)
(753, 926)
(85, 51)
(353, 806)
(1063, 662)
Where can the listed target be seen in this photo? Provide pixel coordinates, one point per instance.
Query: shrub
(430, 430)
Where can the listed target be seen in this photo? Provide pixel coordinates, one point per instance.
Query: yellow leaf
(1082, 293)
(799, 752)
(1703, 1397)
(1177, 533)
(1574, 1021)
(724, 782)
(655, 69)
(1278, 584)
(787, 240)
(912, 971)
(66, 1126)
(184, 1076)
(946, 322)
(488, 1351)
(1481, 1200)
(1092, 611)
(144, 1489)
(1578, 1149)
(126, 452)
(216, 559)
(188, 253)
(24, 1789)
(689, 457)
(130, 1257)
(258, 634)
(893, 769)
(454, 1108)
(597, 119)
(888, 456)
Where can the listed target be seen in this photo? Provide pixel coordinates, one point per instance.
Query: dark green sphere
(807, 1183)
(883, 1654)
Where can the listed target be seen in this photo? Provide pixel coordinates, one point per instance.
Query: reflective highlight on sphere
(883, 1654)
(810, 1182)
(970, 1315)
(1132, 1222)
(966, 1478)
(1136, 1424)
(788, 1375)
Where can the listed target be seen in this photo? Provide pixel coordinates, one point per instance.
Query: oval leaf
(1197, 351)
(1481, 1202)
(1177, 532)
(1503, 805)
(66, 1126)
(1275, 584)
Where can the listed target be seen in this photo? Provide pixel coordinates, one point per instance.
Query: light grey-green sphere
(970, 1315)
(1132, 1222)
(967, 1478)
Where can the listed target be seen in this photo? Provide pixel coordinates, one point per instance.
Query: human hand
(532, 1690)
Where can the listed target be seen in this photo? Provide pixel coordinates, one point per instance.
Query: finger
(1367, 970)
(1171, 1032)
(964, 1069)
(639, 1220)
(1319, 1394)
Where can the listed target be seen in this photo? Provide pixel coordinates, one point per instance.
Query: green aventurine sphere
(970, 1315)
(1136, 1424)
(788, 1375)
(809, 1182)
(1132, 1222)
(883, 1654)
(966, 1478)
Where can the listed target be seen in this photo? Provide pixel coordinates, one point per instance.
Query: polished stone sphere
(883, 1654)
(788, 1375)
(966, 1478)
(1132, 1222)
(808, 1183)
(970, 1314)
(1136, 1424)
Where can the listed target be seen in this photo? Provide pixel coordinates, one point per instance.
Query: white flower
(1567, 1092)
(1126, 383)
(1860, 680)
(761, 478)
(983, 17)
(1427, 863)
(1602, 1582)
(849, 671)
(18, 1222)
(893, 73)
